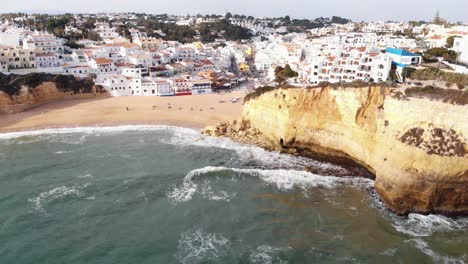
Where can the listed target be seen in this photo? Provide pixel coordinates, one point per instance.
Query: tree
(93, 35)
(283, 74)
(228, 15)
(450, 41)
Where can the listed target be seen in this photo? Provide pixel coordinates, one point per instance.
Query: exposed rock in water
(416, 148)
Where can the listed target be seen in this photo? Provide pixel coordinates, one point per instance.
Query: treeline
(222, 29)
(12, 84)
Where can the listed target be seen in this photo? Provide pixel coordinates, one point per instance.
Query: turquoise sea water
(156, 194)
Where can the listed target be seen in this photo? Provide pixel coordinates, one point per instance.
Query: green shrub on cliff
(434, 74)
(11, 84)
(446, 95)
(259, 91)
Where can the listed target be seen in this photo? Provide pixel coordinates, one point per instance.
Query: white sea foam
(265, 255)
(438, 258)
(62, 152)
(57, 193)
(90, 130)
(248, 152)
(281, 179)
(180, 136)
(198, 245)
(425, 225)
(418, 225)
(86, 176)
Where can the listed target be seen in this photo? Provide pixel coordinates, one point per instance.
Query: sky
(357, 10)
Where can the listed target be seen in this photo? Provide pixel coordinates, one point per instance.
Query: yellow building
(243, 67)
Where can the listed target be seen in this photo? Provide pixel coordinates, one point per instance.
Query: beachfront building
(355, 63)
(48, 62)
(401, 59)
(182, 85)
(78, 71)
(17, 59)
(201, 86)
(102, 67)
(117, 85)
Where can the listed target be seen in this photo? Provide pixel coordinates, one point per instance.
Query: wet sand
(196, 111)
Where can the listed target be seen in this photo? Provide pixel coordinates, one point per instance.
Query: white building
(13, 58)
(401, 59)
(460, 45)
(43, 43)
(356, 63)
(117, 85)
(105, 31)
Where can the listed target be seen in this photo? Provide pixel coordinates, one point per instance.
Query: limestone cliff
(29, 97)
(416, 148)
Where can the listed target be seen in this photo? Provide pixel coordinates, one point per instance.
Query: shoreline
(195, 112)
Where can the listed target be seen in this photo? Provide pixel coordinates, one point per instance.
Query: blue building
(401, 59)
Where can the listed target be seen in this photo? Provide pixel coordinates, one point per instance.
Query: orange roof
(102, 61)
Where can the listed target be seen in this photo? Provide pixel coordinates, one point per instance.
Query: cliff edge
(22, 92)
(416, 148)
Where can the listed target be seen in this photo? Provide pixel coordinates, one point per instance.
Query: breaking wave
(281, 179)
(88, 130)
(417, 225)
(425, 225)
(248, 152)
(61, 192)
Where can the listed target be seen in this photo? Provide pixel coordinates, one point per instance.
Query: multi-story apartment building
(17, 58)
(47, 60)
(182, 85)
(43, 43)
(348, 65)
(105, 31)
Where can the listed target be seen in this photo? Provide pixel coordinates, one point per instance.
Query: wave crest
(57, 193)
(281, 179)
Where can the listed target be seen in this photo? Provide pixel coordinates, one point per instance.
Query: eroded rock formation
(29, 97)
(417, 148)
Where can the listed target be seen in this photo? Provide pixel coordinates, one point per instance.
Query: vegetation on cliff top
(452, 96)
(12, 84)
(434, 74)
(283, 74)
(264, 89)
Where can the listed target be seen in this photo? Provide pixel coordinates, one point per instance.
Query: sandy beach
(195, 111)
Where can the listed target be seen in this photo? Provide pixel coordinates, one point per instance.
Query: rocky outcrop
(416, 148)
(29, 97)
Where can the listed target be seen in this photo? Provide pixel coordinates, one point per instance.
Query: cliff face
(417, 148)
(30, 97)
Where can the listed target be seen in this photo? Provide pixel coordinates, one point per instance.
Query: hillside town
(137, 55)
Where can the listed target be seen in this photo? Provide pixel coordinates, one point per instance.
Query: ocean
(159, 194)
